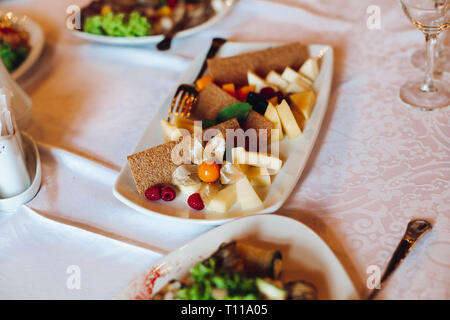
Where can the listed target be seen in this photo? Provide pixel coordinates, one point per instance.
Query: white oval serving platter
(294, 153)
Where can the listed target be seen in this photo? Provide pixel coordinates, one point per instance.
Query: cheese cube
(310, 69)
(223, 200)
(288, 120)
(247, 197)
(170, 131)
(188, 190)
(260, 181)
(272, 115)
(304, 102)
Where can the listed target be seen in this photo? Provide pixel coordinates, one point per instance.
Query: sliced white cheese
(208, 191)
(257, 159)
(300, 118)
(223, 200)
(170, 131)
(298, 85)
(288, 120)
(310, 68)
(272, 115)
(260, 181)
(230, 173)
(256, 171)
(247, 197)
(184, 123)
(275, 79)
(289, 74)
(188, 190)
(297, 82)
(258, 82)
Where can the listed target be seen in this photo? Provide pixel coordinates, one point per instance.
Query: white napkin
(19, 103)
(14, 176)
(6, 120)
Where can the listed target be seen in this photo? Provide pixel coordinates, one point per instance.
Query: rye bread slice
(152, 166)
(234, 69)
(211, 100)
(258, 122)
(232, 124)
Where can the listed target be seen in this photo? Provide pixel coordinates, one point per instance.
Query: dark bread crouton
(234, 69)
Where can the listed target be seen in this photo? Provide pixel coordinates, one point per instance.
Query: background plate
(294, 153)
(128, 41)
(305, 257)
(36, 41)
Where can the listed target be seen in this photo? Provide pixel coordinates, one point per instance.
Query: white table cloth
(376, 164)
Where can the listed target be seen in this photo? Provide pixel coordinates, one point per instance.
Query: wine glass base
(411, 94)
(441, 64)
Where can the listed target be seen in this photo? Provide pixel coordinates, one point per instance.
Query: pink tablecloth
(376, 165)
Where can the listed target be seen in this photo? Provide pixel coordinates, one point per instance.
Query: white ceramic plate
(222, 12)
(294, 153)
(305, 257)
(36, 41)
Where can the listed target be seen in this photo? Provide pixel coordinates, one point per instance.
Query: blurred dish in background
(21, 42)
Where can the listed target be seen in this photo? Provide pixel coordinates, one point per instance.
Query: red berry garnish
(168, 194)
(195, 201)
(153, 193)
(268, 92)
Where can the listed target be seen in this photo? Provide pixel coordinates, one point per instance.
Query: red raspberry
(168, 194)
(195, 201)
(153, 193)
(268, 92)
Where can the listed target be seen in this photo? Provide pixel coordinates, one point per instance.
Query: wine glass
(442, 58)
(431, 17)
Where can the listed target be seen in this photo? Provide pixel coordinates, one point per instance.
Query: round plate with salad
(21, 42)
(247, 259)
(134, 22)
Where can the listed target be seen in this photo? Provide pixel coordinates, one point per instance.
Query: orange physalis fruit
(209, 171)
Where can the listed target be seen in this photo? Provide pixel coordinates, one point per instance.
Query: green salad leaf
(238, 110)
(116, 25)
(206, 278)
(207, 123)
(12, 57)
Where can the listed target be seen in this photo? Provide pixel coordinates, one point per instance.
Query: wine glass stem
(428, 85)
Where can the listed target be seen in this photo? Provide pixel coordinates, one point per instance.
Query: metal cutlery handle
(415, 230)
(216, 44)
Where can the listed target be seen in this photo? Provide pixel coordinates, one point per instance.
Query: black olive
(258, 102)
